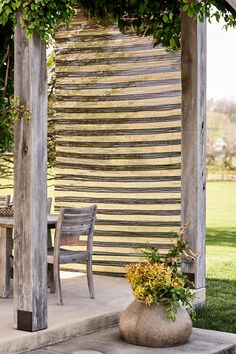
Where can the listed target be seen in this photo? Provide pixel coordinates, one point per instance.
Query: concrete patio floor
(81, 315)
(78, 315)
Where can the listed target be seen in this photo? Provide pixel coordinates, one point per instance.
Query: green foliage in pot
(159, 279)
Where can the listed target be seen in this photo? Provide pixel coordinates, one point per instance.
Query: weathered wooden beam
(30, 180)
(193, 69)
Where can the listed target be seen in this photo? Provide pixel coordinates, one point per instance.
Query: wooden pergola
(30, 176)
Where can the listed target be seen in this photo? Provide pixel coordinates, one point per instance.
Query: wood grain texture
(193, 141)
(30, 182)
(119, 139)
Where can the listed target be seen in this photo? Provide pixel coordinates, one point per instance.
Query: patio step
(108, 341)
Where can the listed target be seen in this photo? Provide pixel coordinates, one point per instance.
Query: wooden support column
(193, 69)
(30, 181)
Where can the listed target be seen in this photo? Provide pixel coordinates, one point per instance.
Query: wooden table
(6, 245)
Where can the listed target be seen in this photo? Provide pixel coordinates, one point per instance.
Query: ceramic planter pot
(149, 326)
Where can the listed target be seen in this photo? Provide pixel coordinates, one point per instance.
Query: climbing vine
(160, 19)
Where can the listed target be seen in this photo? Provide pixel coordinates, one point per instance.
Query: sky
(221, 62)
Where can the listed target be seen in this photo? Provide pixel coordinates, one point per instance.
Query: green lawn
(219, 313)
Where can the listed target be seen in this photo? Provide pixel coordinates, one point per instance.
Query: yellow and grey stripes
(119, 139)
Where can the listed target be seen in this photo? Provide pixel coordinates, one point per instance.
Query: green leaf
(165, 18)
(142, 7)
(18, 4)
(185, 7)
(169, 309)
(191, 12)
(173, 42)
(171, 317)
(7, 10)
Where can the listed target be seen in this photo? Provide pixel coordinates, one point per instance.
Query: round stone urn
(149, 326)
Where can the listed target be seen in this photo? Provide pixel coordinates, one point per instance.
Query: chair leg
(51, 282)
(57, 282)
(90, 277)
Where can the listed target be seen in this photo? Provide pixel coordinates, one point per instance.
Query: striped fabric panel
(118, 112)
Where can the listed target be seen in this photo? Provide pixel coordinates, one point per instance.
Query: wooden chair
(72, 223)
(5, 200)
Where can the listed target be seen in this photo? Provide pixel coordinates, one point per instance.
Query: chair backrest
(73, 223)
(5, 200)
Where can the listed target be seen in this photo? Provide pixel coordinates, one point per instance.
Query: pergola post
(193, 70)
(30, 181)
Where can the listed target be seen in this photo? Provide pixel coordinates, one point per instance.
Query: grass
(219, 311)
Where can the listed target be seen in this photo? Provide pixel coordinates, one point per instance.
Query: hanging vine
(160, 19)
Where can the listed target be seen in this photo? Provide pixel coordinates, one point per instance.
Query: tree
(226, 106)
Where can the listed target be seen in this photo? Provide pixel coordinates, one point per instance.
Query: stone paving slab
(109, 342)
